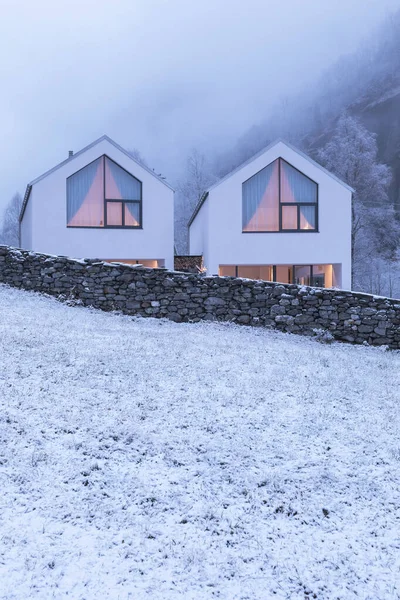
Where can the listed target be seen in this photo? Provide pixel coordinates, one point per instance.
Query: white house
(100, 203)
(279, 217)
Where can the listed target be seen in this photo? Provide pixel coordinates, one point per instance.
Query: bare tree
(195, 181)
(9, 233)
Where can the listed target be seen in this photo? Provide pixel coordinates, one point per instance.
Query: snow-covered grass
(148, 459)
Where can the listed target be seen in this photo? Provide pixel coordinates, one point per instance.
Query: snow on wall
(348, 316)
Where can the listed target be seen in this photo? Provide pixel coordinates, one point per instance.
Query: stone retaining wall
(135, 290)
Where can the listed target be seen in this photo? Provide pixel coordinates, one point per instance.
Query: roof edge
(145, 167)
(200, 203)
(82, 151)
(268, 147)
(317, 164)
(92, 145)
(25, 202)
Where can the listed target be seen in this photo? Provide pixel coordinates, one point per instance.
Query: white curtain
(296, 187)
(85, 205)
(260, 197)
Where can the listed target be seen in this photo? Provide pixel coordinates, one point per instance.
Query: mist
(159, 76)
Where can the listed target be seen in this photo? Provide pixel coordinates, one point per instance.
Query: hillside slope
(146, 459)
(381, 115)
(365, 83)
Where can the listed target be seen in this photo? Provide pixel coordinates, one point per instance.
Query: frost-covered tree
(352, 155)
(9, 233)
(196, 179)
(380, 276)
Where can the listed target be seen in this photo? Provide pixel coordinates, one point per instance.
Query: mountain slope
(366, 84)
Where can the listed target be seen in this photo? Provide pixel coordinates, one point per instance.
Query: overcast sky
(162, 76)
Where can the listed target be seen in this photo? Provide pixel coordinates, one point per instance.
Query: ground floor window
(313, 275)
(153, 263)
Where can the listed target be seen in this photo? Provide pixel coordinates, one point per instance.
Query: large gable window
(103, 194)
(279, 198)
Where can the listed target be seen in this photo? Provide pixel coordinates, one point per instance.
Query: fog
(159, 76)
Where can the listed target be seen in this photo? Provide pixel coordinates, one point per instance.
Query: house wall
(49, 223)
(199, 233)
(346, 316)
(228, 245)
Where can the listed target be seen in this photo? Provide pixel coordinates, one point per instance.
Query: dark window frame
(312, 282)
(281, 204)
(292, 275)
(105, 200)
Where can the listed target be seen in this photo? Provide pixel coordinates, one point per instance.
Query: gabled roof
(70, 158)
(254, 157)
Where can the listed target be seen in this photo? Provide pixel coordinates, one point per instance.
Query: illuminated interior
(146, 262)
(85, 196)
(261, 200)
(103, 194)
(279, 198)
(312, 275)
(114, 213)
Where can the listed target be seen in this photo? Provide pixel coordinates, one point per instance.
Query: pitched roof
(70, 158)
(254, 157)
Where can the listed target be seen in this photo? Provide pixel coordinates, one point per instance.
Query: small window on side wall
(103, 194)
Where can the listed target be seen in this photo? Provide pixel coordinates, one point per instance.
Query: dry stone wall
(135, 290)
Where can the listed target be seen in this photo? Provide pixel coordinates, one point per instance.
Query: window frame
(105, 200)
(312, 275)
(281, 204)
(292, 273)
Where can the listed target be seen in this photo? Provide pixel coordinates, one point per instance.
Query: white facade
(216, 230)
(44, 215)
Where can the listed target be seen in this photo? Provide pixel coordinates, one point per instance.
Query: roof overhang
(25, 201)
(200, 203)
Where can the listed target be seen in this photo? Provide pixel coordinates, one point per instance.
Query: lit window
(289, 217)
(114, 213)
(103, 194)
(279, 198)
(261, 200)
(312, 275)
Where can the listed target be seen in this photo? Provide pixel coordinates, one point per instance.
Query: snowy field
(148, 459)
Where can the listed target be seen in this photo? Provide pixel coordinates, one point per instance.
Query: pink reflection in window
(131, 214)
(266, 216)
(289, 217)
(91, 211)
(114, 213)
(112, 190)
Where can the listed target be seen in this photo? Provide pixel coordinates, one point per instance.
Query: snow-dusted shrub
(323, 336)
(70, 299)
